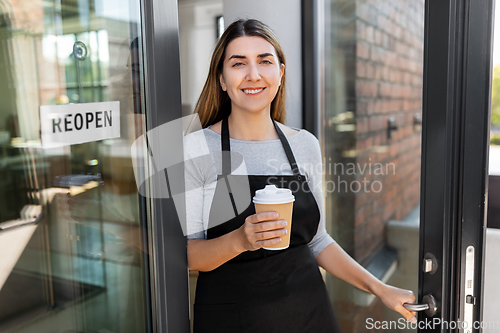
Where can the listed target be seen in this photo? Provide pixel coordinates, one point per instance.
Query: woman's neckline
(259, 141)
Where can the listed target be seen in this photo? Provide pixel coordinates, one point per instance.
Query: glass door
(404, 114)
(72, 225)
(397, 93)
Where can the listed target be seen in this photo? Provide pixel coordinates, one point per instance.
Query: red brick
(382, 22)
(370, 71)
(397, 106)
(388, 90)
(407, 78)
(377, 35)
(383, 105)
(386, 43)
(389, 210)
(361, 125)
(377, 123)
(363, 144)
(360, 30)
(361, 199)
(385, 73)
(361, 108)
(369, 34)
(362, 50)
(374, 223)
(366, 89)
(375, 209)
(378, 139)
(360, 69)
(376, 54)
(362, 215)
(375, 106)
(398, 32)
(378, 73)
(363, 12)
(416, 80)
(396, 76)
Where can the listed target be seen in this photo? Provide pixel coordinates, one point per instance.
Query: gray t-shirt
(203, 163)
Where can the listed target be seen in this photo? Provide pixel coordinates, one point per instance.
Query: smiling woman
(243, 285)
(246, 57)
(251, 76)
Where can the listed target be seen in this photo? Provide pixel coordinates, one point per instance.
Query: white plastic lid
(272, 195)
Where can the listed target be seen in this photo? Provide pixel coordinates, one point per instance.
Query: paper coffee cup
(273, 199)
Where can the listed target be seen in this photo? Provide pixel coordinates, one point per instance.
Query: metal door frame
(168, 272)
(456, 113)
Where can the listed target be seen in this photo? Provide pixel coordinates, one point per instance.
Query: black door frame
(169, 288)
(456, 113)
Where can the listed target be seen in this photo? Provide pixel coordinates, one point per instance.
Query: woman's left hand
(338, 263)
(394, 298)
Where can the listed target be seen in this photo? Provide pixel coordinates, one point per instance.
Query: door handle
(429, 305)
(30, 214)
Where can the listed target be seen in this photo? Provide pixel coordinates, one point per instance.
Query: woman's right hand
(261, 230)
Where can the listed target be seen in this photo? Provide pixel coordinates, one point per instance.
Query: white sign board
(70, 124)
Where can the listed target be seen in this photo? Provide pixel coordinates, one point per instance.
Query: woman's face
(251, 74)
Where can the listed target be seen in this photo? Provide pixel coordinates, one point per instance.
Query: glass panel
(71, 235)
(374, 60)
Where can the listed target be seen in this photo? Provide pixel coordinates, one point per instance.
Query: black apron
(266, 290)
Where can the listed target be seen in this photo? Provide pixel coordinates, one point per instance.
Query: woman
(241, 286)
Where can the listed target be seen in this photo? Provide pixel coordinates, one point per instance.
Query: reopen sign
(70, 124)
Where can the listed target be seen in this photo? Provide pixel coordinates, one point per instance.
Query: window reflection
(82, 267)
(374, 60)
(94, 72)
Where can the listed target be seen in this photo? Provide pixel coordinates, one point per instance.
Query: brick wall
(388, 83)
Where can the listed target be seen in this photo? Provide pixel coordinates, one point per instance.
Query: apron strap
(226, 158)
(288, 151)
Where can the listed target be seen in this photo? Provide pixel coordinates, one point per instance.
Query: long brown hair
(214, 103)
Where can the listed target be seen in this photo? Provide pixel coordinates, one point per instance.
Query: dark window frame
(168, 272)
